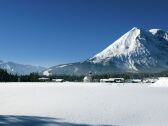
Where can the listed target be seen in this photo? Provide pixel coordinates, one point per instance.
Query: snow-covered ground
(162, 82)
(82, 104)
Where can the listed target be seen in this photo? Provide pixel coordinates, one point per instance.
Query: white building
(113, 80)
(150, 80)
(88, 77)
(44, 79)
(58, 80)
(136, 80)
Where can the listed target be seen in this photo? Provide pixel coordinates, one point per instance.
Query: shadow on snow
(12, 120)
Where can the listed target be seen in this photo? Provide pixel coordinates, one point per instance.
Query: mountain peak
(134, 48)
(138, 50)
(136, 28)
(159, 33)
(155, 31)
(122, 46)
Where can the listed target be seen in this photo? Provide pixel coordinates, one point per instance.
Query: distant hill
(20, 69)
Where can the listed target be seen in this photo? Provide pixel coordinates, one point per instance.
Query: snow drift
(162, 82)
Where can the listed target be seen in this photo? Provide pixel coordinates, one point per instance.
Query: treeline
(132, 75)
(34, 77)
(7, 77)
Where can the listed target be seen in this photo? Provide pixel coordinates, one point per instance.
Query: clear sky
(51, 32)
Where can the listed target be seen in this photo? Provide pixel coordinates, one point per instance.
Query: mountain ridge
(138, 50)
(20, 69)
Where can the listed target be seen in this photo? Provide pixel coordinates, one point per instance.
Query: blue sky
(50, 32)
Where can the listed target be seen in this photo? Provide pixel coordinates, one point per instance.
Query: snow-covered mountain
(138, 50)
(20, 69)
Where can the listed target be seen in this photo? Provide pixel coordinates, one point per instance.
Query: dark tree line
(34, 77)
(7, 77)
(132, 75)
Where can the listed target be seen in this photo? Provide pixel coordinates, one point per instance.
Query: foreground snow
(76, 104)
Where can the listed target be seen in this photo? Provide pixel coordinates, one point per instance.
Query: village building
(113, 80)
(136, 80)
(44, 79)
(150, 80)
(88, 77)
(58, 80)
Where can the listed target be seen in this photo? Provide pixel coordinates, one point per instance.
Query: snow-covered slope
(20, 68)
(138, 50)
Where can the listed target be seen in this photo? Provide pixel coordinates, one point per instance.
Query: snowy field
(82, 104)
